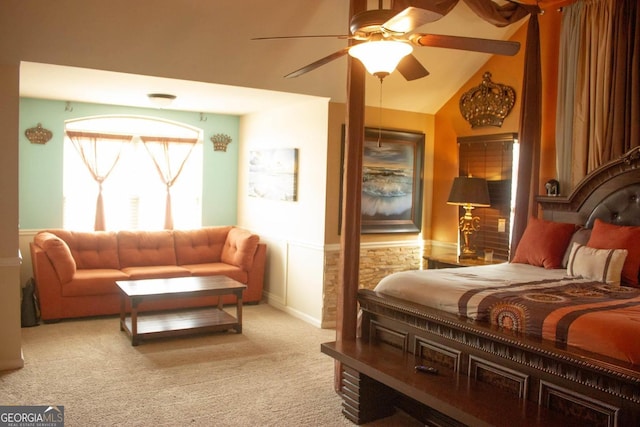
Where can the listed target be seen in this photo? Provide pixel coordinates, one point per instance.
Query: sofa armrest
(255, 283)
(58, 253)
(240, 248)
(48, 286)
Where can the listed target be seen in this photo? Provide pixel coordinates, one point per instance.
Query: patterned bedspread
(570, 311)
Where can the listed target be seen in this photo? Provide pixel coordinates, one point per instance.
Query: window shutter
(490, 157)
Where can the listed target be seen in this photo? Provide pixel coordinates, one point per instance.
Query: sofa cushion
(199, 246)
(219, 268)
(97, 249)
(89, 282)
(58, 253)
(155, 272)
(239, 248)
(146, 248)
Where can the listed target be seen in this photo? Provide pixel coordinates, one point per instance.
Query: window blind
(490, 157)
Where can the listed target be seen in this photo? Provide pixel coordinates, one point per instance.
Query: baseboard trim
(278, 303)
(7, 262)
(9, 365)
(303, 316)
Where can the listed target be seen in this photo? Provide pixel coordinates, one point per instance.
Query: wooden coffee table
(170, 323)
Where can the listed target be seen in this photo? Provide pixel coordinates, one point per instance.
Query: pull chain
(380, 117)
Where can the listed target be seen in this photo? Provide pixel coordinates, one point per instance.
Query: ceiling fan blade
(318, 63)
(410, 19)
(338, 36)
(411, 68)
(499, 47)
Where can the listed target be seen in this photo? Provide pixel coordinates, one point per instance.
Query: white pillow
(603, 265)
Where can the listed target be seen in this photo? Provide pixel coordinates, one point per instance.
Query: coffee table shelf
(185, 321)
(171, 323)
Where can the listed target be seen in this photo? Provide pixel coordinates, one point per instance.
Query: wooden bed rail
(376, 379)
(594, 391)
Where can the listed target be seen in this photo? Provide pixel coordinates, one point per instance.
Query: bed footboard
(376, 380)
(578, 385)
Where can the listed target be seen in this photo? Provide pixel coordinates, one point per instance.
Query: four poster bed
(552, 338)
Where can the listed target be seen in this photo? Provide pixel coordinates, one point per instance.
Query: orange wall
(390, 119)
(449, 123)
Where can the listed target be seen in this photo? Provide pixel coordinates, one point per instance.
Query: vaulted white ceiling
(247, 75)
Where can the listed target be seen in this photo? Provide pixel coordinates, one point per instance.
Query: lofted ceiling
(239, 75)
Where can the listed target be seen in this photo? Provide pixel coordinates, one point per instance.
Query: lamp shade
(380, 57)
(470, 191)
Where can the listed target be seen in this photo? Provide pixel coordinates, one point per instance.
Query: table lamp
(469, 192)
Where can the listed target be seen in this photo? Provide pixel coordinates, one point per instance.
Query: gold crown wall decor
(38, 134)
(487, 104)
(220, 141)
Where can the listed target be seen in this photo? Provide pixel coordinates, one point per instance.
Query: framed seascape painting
(392, 181)
(273, 174)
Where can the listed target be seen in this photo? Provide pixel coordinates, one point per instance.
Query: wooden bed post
(349, 264)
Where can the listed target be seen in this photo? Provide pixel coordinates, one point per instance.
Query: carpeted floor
(273, 374)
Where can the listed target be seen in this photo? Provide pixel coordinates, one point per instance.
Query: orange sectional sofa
(75, 272)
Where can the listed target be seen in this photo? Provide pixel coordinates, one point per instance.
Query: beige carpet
(273, 374)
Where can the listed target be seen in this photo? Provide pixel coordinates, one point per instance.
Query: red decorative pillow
(544, 243)
(610, 236)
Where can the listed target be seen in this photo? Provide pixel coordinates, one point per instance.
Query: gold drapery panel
(599, 82)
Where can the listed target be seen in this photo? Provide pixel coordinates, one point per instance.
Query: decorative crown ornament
(220, 141)
(487, 104)
(38, 134)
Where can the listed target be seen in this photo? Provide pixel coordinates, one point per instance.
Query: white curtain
(100, 156)
(169, 156)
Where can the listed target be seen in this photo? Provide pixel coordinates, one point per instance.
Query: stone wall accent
(330, 291)
(375, 263)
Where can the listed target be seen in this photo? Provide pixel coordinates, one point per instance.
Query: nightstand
(453, 261)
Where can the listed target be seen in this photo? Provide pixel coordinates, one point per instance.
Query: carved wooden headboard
(611, 193)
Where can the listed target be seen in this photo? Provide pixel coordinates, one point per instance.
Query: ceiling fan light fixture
(161, 100)
(380, 57)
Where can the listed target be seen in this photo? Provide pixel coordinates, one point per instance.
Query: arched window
(128, 166)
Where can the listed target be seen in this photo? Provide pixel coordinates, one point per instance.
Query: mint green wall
(40, 174)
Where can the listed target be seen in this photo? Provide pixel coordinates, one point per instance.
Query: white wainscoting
(11, 349)
(294, 278)
(26, 269)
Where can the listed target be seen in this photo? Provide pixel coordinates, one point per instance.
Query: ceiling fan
(385, 27)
